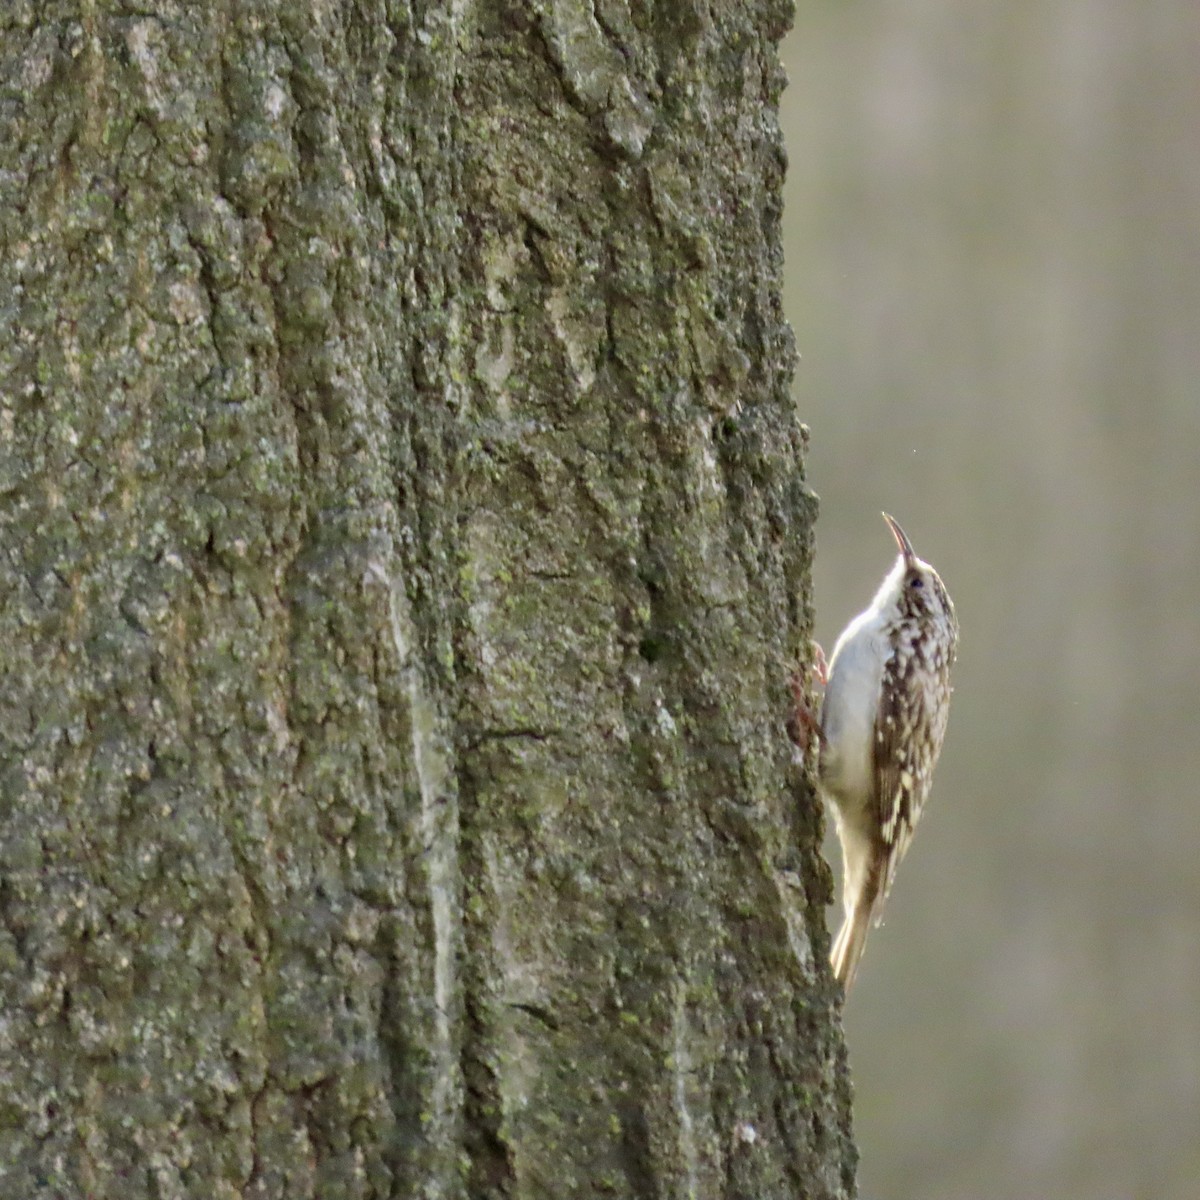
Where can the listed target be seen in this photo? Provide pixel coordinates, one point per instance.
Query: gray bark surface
(404, 542)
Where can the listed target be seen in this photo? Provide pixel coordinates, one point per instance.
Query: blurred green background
(993, 224)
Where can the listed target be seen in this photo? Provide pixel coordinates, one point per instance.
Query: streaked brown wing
(899, 736)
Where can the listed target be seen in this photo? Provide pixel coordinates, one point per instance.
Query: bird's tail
(850, 942)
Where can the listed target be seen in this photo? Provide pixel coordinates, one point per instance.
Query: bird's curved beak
(901, 538)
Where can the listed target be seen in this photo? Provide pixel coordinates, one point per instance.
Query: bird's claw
(820, 668)
(804, 722)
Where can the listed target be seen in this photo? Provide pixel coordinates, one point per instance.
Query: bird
(882, 723)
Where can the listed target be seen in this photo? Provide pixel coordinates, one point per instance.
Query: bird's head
(914, 587)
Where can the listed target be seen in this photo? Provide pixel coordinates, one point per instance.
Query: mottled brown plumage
(883, 721)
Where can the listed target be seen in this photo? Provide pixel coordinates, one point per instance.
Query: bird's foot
(804, 722)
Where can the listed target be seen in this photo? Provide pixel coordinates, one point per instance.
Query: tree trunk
(405, 542)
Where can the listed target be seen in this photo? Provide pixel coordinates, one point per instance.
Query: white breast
(848, 713)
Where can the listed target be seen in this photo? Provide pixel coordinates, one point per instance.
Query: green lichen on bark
(406, 543)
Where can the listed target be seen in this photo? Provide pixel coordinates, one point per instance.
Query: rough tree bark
(404, 541)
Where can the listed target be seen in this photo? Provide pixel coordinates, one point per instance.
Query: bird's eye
(917, 582)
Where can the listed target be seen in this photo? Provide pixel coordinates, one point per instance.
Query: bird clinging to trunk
(882, 723)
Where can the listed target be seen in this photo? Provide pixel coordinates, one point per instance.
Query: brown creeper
(882, 721)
